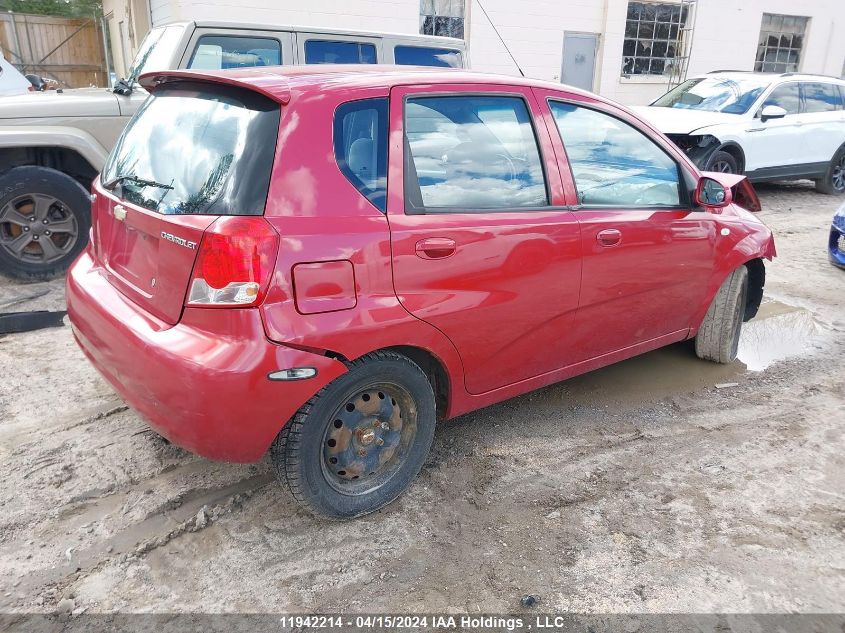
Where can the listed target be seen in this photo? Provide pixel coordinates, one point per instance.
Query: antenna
(501, 39)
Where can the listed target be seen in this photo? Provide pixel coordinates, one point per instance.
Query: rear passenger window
(613, 163)
(821, 97)
(787, 97)
(425, 56)
(360, 147)
(326, 52)
(471, 152)
(217, 52)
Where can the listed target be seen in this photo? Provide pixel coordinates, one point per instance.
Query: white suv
(770, 127)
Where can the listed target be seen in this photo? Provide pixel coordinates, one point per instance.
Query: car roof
(772, 77)
(300, 28)
(278, 82)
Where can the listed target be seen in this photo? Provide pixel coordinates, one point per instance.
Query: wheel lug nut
(384, 426)
(45, 222)
(35, 237)
(32, 218)
(26, 229)
(380, 442)
(46, 232)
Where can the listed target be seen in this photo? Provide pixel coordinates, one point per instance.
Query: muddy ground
(641, 487)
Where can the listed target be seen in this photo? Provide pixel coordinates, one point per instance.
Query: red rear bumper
(202, 383)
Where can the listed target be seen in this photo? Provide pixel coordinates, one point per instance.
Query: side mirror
(37, 82)
(772, 112)
(712, 194)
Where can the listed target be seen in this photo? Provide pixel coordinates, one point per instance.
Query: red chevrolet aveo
(324, 262)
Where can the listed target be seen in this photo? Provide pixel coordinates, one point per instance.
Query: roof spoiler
(271, 85)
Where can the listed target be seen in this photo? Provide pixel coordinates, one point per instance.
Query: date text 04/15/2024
(412, 622)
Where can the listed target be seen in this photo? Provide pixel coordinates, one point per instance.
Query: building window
(781, 41)
(651, 38)
(442, 17)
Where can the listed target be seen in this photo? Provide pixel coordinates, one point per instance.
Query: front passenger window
(613, 163)
(787, 97)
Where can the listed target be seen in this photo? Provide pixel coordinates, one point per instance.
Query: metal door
(579, 59)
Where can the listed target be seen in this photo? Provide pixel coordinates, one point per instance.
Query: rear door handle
(435, 247)
(609, 237)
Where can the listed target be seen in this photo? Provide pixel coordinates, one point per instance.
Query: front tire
(718, 337)
(833, 182)
(722, 162)
(357, 445)
(45, 217)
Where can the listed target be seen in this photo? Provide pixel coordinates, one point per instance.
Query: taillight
(235, 259)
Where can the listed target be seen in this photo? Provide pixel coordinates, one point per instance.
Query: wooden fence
(69, 50)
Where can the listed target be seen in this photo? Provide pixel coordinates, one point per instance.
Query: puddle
(663, 373)
(779, 331)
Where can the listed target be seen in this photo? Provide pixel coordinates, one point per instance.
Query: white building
(623, 49)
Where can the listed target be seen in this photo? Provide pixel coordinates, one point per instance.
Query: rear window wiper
(110, 184)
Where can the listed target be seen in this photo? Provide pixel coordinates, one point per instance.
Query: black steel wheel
(44, 222)
(358, 444)
(368, 438)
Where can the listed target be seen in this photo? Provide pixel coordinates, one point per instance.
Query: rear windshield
(197, 149)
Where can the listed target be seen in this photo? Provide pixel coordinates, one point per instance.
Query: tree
(69, 8)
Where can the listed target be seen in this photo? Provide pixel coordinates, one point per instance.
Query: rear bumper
(202, 383)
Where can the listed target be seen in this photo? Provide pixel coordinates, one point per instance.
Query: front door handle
(435, 247)
(609, 237)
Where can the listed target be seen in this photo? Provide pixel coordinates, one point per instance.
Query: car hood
(682, 120)
(82, 102)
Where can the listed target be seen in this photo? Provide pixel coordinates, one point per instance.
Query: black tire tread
(286, 448)
(726, 156)
(825, 185)
(714, 341)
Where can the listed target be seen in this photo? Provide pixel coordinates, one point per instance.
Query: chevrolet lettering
(178, 240)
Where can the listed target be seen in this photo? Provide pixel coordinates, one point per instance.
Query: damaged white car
(767, 126)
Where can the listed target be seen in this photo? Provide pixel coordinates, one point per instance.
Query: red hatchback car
(323, 262)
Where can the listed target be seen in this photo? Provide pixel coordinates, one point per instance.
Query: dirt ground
(643, 487)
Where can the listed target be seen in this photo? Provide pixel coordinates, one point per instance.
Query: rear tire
(718, 337)
(358, 444)
(722, 162)
(833, 182)
(45, 216)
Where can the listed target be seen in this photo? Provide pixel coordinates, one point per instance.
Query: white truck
(53, 144)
